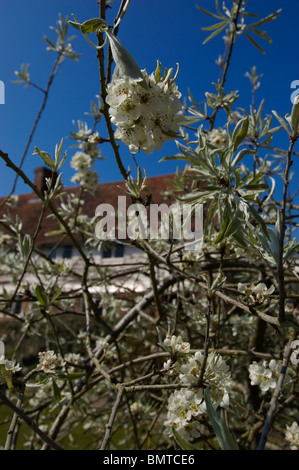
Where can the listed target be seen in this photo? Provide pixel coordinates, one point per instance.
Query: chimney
(41, 174)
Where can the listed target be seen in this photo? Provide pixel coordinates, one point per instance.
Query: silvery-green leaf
(41, 295)
(75, 25)
(295, 115)
(225, 438)
(185, 445)
(240, 132)
(45, 157)
(282, 121)
(93, 25)
(124, 62)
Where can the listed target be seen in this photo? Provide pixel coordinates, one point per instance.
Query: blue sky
(165, 30)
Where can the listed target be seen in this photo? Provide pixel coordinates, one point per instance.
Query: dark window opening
(119, 251)
(17, 305)
(107, 252)
(116, 251)
(67, 251)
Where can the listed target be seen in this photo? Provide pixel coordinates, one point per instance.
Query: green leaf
(58, 149)
(230, 226)
(240, 155)
(268, 18)
(90, 26)
(262, 34)
(240, 132)
(225, 438)
(75, 375)
(214, 26)
(158, 71)
(75, 24)
(185, 445)
(93, 25)
(250, 38)
(45, 157)
(56, 295)
(206, 12)
(51, 44)
(282, 122)
(214, 33)
(259, 219)
(54, 232)
(25, 246)
(56, 390)
(41, 295)
(256, 187)
(5, 375)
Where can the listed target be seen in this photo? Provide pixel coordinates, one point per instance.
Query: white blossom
(177, 345)
(292, 435)
(7, 370)
(81, 161)
(185, 405)
(49, 362)
(9, 366)
(262, 375)
(145, 114)
(218, 138)
(256, 293)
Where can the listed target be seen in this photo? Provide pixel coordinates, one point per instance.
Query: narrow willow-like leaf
(214, 33)
(206, 12)
(41, 296)
(184, 445)
(56, 391)
(225, 439)
(240, 132)
(282, 121)
(214, 26)
(262, 34)
(250, 38)
(268, 18)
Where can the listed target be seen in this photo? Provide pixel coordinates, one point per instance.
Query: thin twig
(112, 417)
(29, 421)
(277, 392)
(56, 66)
(282, 231)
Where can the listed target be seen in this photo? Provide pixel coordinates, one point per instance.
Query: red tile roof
(28, 207)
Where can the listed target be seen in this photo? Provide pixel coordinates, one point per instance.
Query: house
(57, 246)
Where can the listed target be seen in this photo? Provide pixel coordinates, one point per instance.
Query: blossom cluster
(218, 138)
(176, 345)
(265, 375)
(146, 113)
(292, 435)
(187, 404)
(83, 160)
(7, 370)
(49, 362)
(256, 294)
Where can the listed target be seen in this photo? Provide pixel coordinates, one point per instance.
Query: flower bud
(295, 116)
(124, 62)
